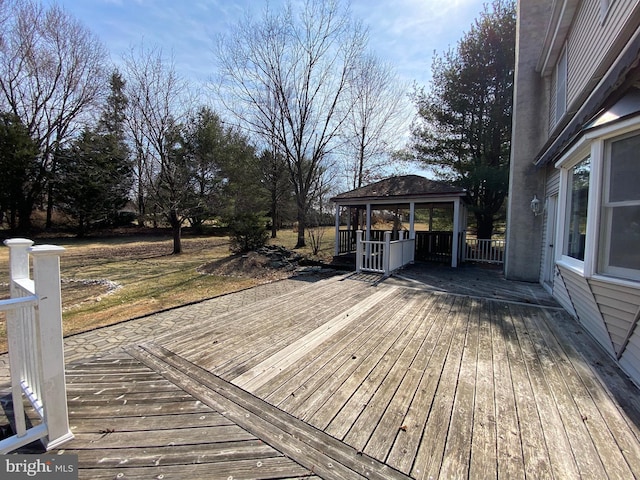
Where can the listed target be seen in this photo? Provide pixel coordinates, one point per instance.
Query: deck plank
(310, 447)
(374, 382)
(130, 435)
(433, 353)
(323, 388)
(605, 448)
(429, 457)
(484, 444)
(409, 369)
(457, 453)
(509, 444)
(588, 462)
(319, 365)
(350, 344)
(483, 381)
(532, 404)
(294, 351)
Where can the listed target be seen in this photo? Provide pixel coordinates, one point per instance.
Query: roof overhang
(404, 200)
(618, 80)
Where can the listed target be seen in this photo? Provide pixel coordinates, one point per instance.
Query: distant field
(148, 278)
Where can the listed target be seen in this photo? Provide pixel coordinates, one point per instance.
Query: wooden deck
(418, 376)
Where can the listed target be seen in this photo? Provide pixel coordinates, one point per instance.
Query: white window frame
(566, 165)
(591, 144)
(605, 235)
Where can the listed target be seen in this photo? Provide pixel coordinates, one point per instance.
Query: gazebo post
(367, 235)
(412, 220)
(336, 250)
(456, 232)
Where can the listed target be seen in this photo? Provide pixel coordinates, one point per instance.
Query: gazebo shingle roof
(401, 187)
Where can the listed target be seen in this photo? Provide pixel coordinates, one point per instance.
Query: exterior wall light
(536, 206)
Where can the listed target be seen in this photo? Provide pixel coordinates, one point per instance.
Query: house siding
(590, 44)
(590, 49)
(586, 307)
(619, 307)
(601, 50)
(630, 360)
(561, 293)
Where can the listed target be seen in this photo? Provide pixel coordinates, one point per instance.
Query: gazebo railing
(383, 256)
(484, 251)
(346, 242)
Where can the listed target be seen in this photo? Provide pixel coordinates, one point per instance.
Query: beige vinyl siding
(586, 307)
(553, 182)
(553, 100)
(619, 306)
(630, 360)
(561, 294)
(589, 43)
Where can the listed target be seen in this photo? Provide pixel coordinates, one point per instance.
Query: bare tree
(156, 97)
(286, 77)
(376, 121)
(51, 76)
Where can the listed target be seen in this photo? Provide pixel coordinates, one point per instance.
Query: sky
(405, 33)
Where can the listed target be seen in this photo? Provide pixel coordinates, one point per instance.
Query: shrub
(248, 232)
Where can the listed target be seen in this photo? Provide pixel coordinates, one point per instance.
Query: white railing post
(16, 329)
(359, 251)
(386, 253)
(46, 276)
(18, 258)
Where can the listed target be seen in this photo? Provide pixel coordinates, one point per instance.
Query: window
(561, 85)
(577, 200)
(620, 220)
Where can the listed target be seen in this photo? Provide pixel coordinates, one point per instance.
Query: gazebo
(391, 209)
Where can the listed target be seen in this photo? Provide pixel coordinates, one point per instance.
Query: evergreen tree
(93, 181)
(95, 174)
(204, 148)
(465, 129)
(275, 180)
(18, 163)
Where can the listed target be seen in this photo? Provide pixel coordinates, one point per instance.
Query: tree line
(307, 104)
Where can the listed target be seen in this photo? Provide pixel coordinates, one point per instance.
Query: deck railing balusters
(36, 350)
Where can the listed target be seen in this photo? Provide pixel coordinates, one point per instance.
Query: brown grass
(149, 277)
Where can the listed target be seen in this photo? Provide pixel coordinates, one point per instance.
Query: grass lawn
(148, 277)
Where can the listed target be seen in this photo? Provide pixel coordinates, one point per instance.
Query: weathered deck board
(308, 446)
(457, 453)
(232, 344)
(526, 377)
(154, 429)
(483, 447)
(335, 349)
(488, 380)
(596, 415)
(294, 351)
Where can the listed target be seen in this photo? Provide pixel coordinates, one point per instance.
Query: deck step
(322, 454)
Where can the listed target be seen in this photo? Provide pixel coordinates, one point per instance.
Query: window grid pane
(577, 209)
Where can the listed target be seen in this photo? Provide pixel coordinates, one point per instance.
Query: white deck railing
(383, 256)
(484, 250)
(36, 351)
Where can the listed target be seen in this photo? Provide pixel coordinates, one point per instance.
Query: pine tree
(465, 129)
(95, 174)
